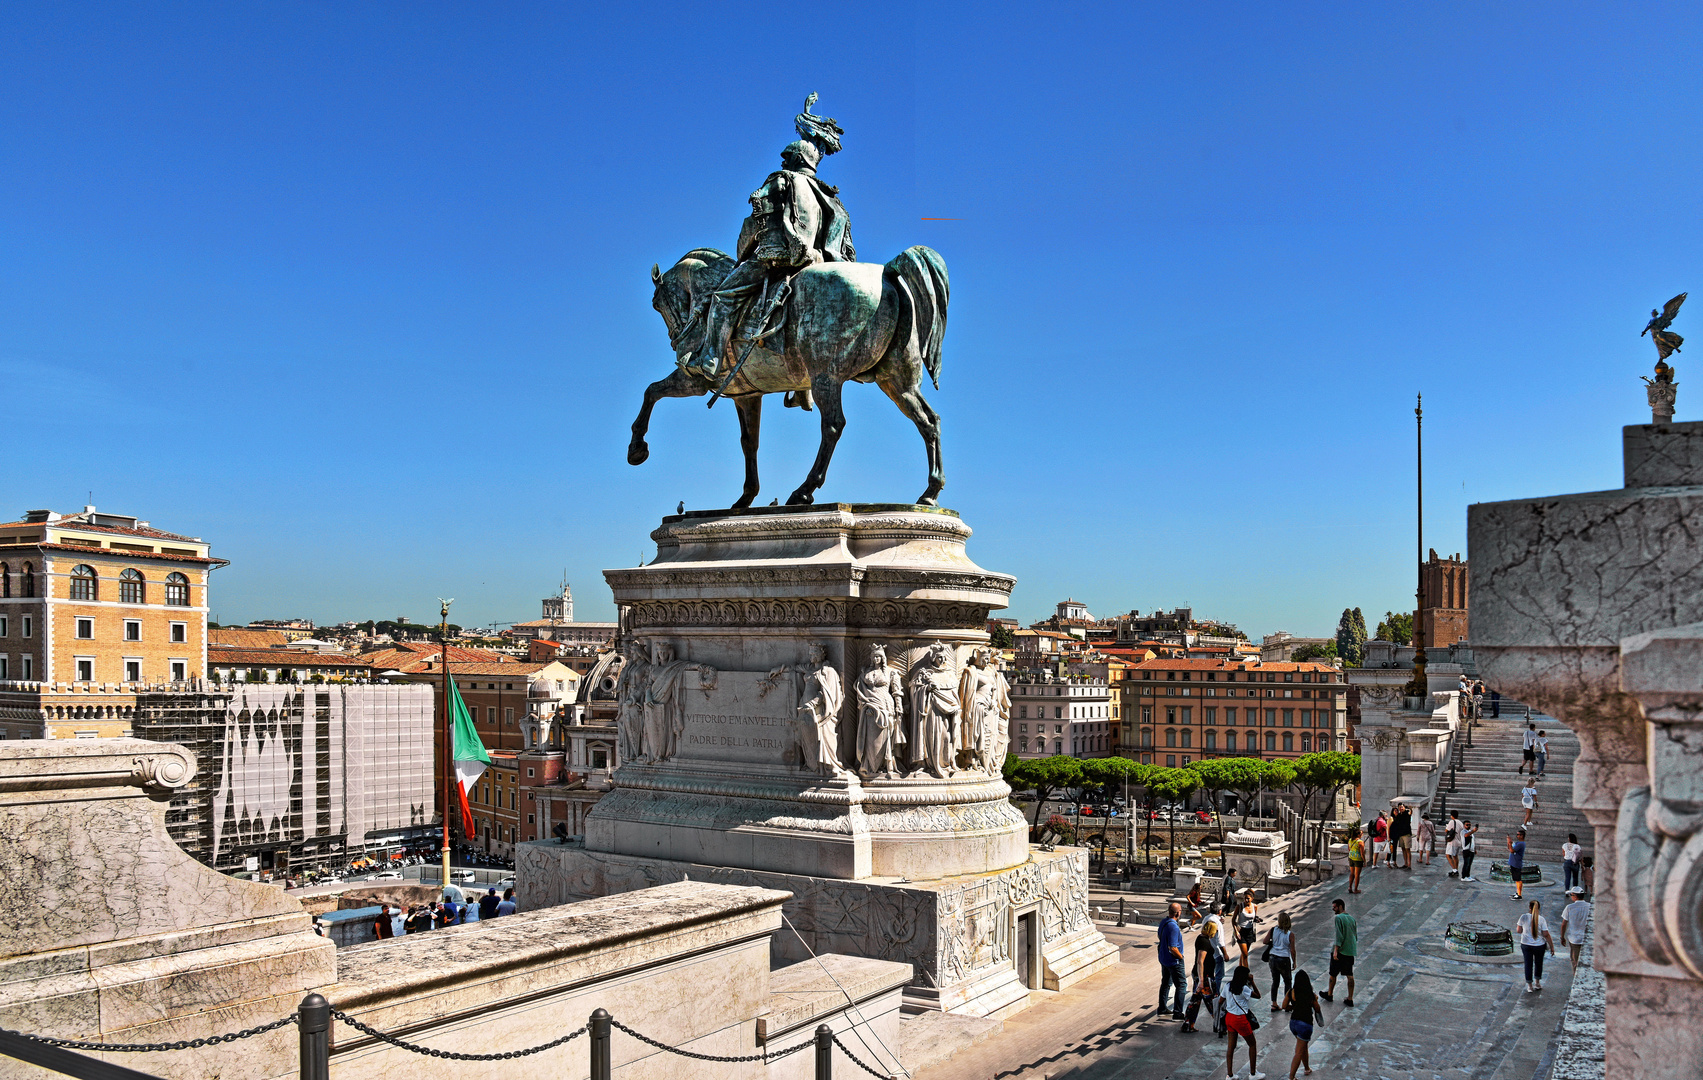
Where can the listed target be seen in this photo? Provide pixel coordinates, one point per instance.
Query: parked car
(388, 875)
(461, 875)
(1203, 816)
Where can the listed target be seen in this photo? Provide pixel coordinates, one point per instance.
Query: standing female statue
(880, 708)
(934, 711)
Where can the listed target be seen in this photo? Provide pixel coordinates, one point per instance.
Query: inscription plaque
(745, 717)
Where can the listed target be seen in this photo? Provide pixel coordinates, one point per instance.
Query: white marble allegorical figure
(880, 710)
(934, 711)
(820, 696)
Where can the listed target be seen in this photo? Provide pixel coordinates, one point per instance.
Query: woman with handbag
(1239, 1020)
(1280, 954)
(1246, 912)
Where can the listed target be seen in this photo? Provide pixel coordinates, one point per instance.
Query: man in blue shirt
(1171, 960)
(1517, 861)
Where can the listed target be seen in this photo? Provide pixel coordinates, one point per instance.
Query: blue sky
(360, 293)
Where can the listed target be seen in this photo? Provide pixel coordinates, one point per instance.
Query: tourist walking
(1528, 749)
(1575, 919)
(1469, 849)
(1356, 859)
(1541, 746)
(1208, 969)
(1495, 704)
(1426, 839)
(1517, 862)
(1401, 836)
(1246, 912)
(1528, 799)
(1380, 839)
(1239, 1022)
(1452, 843)
(1280, 957)
(1171, 961)
(1304, 1012)
(1343, 947)
(1534, 938)
(1570, 853)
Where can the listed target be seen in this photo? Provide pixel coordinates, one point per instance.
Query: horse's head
(682, 290)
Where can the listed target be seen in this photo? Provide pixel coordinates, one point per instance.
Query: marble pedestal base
(964, 935)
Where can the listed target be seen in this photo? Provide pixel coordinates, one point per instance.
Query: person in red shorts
(1238, 1008)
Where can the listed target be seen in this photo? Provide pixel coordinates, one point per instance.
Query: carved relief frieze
(923, 615)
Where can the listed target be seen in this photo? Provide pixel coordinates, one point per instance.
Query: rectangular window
(529, 772)
(1212, 716)
(179, 632)
(1229, 716)
(1023, 729)
(132, 630)
(3, 626)
(1185, 759)
(132, 671)
(29, 626)
(529, 819)
(86, 670)
(1170, 761)
(28, 667)
(1271, 718)
(5, 668)
(491, 715)
(1188, 718)
(86, 628)
(1288, 717)
(508, 716)
(1022, 711)
(1058, 712)
(179, 670)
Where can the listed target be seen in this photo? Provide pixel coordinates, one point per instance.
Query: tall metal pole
(1418, 686)
(448, 762)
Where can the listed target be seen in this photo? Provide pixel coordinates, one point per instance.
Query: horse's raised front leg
(750, 408)
(827, 393)
(911, 402)
(678, 384)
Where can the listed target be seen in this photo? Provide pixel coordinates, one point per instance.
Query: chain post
(313, 1024)
(824, 1052)
(600, 1062)
(1121, 912)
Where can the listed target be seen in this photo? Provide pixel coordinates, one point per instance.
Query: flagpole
(448, 765)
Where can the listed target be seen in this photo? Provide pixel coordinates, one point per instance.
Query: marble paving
(1421, 1012)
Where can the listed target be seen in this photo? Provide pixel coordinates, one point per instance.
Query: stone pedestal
(807, 700)
(1255, 855)
(1571, 595)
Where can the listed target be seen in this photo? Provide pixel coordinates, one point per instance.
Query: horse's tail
(920, 274)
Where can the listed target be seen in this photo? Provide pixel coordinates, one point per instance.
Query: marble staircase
(1488, 791)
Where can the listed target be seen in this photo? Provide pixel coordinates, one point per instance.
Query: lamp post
(448, 764)
(1417, 686)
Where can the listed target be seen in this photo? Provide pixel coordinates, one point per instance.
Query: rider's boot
(707, 359)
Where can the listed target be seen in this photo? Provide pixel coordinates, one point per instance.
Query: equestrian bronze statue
(793, 313)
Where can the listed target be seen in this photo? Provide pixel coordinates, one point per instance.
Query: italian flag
(468, 752)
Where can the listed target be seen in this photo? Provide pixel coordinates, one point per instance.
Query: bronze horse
(856, 321)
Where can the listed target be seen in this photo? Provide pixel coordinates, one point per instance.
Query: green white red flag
(468, 752)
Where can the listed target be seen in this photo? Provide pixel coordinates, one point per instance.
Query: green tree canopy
(1046, 775)
(1351, 637)
(1003, 637)
(1396, 628)
(1327, 651)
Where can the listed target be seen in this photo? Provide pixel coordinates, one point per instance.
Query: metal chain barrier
(154, 1048)
(450, 1054)
(855, 1060)
(764, 1057)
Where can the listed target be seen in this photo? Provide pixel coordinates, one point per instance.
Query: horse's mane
(706, 254)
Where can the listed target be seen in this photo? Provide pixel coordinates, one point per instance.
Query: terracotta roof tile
(233, 638)
(218, 654)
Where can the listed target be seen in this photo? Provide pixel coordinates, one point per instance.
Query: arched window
(1288, 741)
(1147, 737)
(1229, 740)
(1211, 740)
(1271, 740)
(177, 590)
(1170, 736)
(83, 582)
(29, 579)
(1188, 738)
(131, 586)
(5, 580)
(1058, 746)
(1306, 742)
